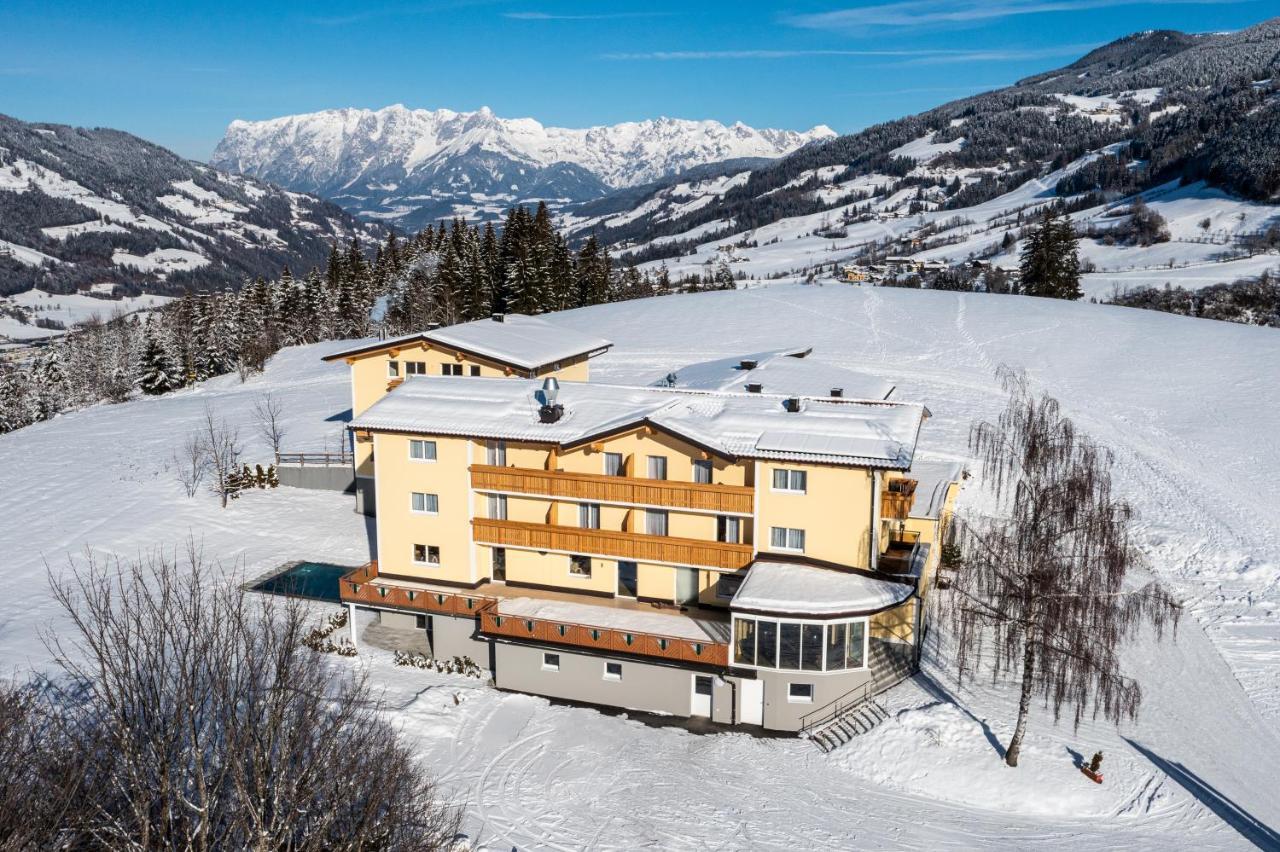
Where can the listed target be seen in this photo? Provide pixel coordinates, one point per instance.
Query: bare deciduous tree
(190, 715)
(190, 464)
(221, 444)
(268, 413)
(1043, 580)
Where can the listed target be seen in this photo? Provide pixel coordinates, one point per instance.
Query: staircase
(891, 663)
(852, 723)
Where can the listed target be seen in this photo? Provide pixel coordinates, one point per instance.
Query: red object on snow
(1095, 777)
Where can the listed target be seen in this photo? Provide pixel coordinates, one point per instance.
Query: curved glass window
(799, 645)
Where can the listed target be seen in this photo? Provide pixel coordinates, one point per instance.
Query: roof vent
(755, 387)
(499, 317)
(792, 404)
(551, 411)
(432, 326)
(748, 364)
(837, 392)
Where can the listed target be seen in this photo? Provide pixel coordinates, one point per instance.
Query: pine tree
(1050, 259)
(158, 373)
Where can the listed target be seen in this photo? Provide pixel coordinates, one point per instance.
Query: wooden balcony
(364, 587)
(620, 545)
(896, 499)
(734, 499)
(712, 653)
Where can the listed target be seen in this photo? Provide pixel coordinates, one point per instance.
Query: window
(799, 645)
(784, 538)
(498, 564)
(655, 521)
(475, 369)
(415, 368)
(448, 369)
(613, 465)
(790, 480)
(744, 641)
(800, 693)
(393, 369)
(551, 662)
(702, 472)
(498, 507)
(427, 504)
(613, 671)
(422, 450)
(727, 586)
(495, 453)
(580, 566)
(426, 554)
(589, 516)
(657, 467)
(728, 529)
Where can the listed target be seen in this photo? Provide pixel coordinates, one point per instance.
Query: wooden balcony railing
(896, 499)
(362, 586)
(494, 623)
(706, 497)
(622, 545)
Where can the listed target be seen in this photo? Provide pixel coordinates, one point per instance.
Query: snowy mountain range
(103, 210)
(413, 166)
(1191, 123)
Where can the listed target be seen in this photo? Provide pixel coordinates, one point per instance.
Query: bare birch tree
(190, 464)
(195, 718)
(221, 443)
(268, 413)
(1044, 593)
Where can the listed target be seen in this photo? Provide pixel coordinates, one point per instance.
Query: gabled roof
(778, 371)
(731, 425)
(523, 342)
(795, 587)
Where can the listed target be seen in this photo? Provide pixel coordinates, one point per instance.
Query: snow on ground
(25, 256)
(925, 150)
(62, 232)
(161, 261)
(1103, 285)
(1190, 407)
(68, 309)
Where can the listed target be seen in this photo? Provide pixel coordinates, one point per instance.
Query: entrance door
(686, 585)
(701, 704)
(752, 710)
(626, 579)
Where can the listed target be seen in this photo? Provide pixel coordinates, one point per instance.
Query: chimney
(755, 387)
(792, 404)
(551, 411)
(748, 364)
(837, 392)
(432, 326)
(499, 317)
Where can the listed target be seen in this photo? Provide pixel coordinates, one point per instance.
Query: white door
(701, 703)
(752, 710)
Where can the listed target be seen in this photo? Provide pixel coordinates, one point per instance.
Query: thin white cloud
(919, 13)
(602, 16)
(912, 55)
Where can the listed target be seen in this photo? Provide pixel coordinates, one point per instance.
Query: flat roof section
(797, 588)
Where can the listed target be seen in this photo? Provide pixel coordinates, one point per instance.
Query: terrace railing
(707, 497)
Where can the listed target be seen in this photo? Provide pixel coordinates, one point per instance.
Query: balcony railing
(494, 623)
(707, 497)
(896, 499)
(362, 586)
(621, 545)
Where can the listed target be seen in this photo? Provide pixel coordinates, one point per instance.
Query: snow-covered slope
(1191, 409)
(83, 209)
(412, 165)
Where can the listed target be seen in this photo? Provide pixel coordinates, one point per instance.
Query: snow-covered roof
(933, 478)
(672, 624)
(517, 340)
(785, 371)
(731, 425)
(806, 589)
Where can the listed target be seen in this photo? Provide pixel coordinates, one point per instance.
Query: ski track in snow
(1189, 407)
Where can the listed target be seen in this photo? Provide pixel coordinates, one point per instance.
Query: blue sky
(176, 73)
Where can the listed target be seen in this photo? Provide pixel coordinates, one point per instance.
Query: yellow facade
(835, 512)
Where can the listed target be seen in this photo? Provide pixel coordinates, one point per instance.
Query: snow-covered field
(1191, 408)
(68, 309)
